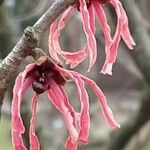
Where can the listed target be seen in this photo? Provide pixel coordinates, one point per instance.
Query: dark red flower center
(42, 75)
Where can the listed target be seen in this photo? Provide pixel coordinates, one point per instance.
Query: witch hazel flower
(88, 9)
(44, 76)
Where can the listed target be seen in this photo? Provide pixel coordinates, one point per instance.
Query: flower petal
(68, 105)
(61, 25)
(92, 18)
(52, 51)
(126, 35)
(107, 34)
(74, 58)
(103, 102)
(71, 58)
(107, 68)
(17, 123)
(84, 117)
(34, 143)
(91, 42)
(71, 146)
(56, 97)
(76, 120)
(100, 95)
(21, 85)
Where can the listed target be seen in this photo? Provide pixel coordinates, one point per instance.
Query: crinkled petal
(107, 33)
(122, 30)
(74, 58)
(21, 85)
(117, 36)
(126, 35)
(104, 24)
(17, 123)
(60, 27)
(71, 58)
(71, 146)
(68, 105)
(52, 51)
(76, 120)
(34, 142)
(116, 39)
(100, 95)
(102, 99)
(92, 18)
(91, 42)
(84, 117)
(56, 97)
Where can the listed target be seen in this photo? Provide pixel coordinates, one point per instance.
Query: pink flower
(45, 76)
(87, 9)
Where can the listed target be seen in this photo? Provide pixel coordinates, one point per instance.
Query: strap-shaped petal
(60, 27)
(108, 115)
(91, 42)
(76, 121)
(107, 68)
(52, 51)
(71, 58)
(92, 18)
(84, 113)
(57, 99)
(107, 34)
(71, 146)
(21, 85)
(34, 142)
(126, 35)
(17, 123)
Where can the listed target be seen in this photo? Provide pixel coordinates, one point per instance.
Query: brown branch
(28, 41)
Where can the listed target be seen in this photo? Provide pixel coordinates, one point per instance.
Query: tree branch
(28, 41)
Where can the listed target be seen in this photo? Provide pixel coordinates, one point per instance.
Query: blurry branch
(1, 2)
(5, 32)
(40, 7)
(120, 138)
(145, 7)
(28, 41)
(141, 56)
(146, 22)
(141, 53)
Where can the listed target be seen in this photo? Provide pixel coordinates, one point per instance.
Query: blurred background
(127, 91)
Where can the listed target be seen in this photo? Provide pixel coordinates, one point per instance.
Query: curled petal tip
(89, 69)
(118, 125)
(133, 43)
(115, 125)
(107, 69)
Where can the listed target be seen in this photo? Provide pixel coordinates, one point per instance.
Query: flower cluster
(46, 77)
(88, 9)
